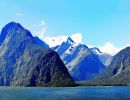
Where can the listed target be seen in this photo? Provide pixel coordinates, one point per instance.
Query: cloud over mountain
(57, 40)
(109, 48)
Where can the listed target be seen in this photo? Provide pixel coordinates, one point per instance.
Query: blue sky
(99, 21)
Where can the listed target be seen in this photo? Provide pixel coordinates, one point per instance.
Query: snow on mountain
(64, 46)
(96, 50)
(104, 57)
(81, 62)
(118, 72)
(58, 40)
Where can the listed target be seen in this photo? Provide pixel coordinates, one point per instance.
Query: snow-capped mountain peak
(69, 40)
(72, 48)
(96, 50)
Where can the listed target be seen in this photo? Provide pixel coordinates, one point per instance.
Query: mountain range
(88, 64)
(27, 61)
(82, 62)
(118, 72)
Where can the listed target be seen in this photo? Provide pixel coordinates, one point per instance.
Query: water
(68, 93)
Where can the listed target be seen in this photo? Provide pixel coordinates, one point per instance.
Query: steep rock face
(85, 65)
(104, 57)
(118, 71)
(64, 46)
(41, 43)
(24, 63)
(81, 62)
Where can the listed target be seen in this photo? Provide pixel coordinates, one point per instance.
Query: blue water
(68, 93)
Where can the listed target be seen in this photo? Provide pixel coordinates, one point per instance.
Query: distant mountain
(104, 57)
(96, 50)
(81, 62)
(25, 62)
(64, 46)
(118, 71)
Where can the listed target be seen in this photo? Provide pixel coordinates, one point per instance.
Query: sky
(101, 23)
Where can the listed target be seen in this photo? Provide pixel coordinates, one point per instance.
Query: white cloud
(42, 29)
(54, 41)
(109, 48)
(90, 46)
(19, 14)
(127, 45)
(77, 37)
(57, 40)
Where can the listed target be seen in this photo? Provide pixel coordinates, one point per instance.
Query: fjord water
(66, 93)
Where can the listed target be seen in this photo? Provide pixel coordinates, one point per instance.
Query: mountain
(118, 71)
(64, 46)
(104, 57)
(81, 62)
(24, 63)
(96, 50)
(41, 43)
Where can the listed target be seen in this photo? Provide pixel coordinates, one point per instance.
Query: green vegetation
(116, 74)
(102, 84)
(25, 63)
